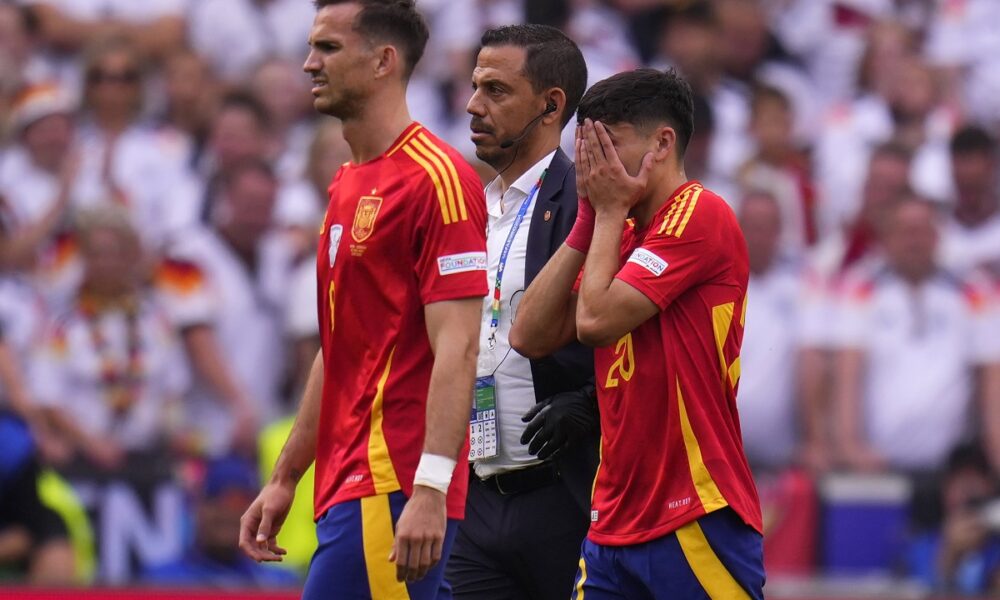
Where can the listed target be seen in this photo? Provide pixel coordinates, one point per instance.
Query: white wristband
(434, 471)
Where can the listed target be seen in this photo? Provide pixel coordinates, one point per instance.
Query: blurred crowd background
(163, 176)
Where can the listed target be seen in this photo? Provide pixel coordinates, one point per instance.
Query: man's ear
(387, 61)
(665, 143)
(554, 97)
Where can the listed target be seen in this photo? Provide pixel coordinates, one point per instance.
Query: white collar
(523, 185)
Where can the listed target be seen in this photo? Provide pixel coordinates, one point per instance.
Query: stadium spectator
(235, 36)
(224, 285)
(20, 63)
(902, 318)
(37, 177)
(751, 55)
(781, 168)
(901, 101)
(972, 235)
(327, 152)
(439, 88)
(213, 560)
(283, 92)
(110, 372)
(779, 357)
(155, 27)
(962, 554)
(856, 241)
(125, 160)
(190, 98)
(690, 42)
(240, 131)
(33, 538)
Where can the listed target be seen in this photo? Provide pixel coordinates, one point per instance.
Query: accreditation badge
(483, 422)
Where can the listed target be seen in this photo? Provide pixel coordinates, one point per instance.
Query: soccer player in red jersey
(401, 267)
(675, 512)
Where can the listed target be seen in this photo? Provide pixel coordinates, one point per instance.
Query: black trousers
(523, 546)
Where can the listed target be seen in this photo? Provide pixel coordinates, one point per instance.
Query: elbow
(525, 344)
(591, 331)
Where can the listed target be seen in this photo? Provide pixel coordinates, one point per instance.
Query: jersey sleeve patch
(649, 261)
(461, 263)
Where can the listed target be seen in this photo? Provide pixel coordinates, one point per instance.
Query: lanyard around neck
(495, 318)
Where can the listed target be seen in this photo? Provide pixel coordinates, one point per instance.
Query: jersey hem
(648, 535)
(457, 294)
(457, 514)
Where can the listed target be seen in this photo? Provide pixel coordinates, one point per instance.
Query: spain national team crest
(364, 217)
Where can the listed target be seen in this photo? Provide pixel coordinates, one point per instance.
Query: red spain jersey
(401, 231)
(671, 448)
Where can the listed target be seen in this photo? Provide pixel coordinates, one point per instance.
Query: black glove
(558, 421)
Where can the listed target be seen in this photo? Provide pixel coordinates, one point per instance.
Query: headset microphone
(549, 108)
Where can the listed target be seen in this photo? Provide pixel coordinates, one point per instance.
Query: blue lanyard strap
(495, 319)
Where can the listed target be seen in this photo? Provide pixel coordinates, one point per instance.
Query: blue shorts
(717, 557)
(352, 559)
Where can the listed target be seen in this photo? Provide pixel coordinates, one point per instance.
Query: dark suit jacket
(571, 367)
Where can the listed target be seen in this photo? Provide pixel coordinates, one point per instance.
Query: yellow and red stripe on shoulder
(179, 276)
(435, 161)
(682, 206)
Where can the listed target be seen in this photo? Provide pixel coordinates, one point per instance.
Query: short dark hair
(395, 21)
(892, 149)
(973, 139)
(698, 13)
(643, 98)
(229, 177)
(763, 93)
(551, 59)
(245, 100)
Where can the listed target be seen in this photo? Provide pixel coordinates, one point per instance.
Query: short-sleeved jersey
(402, 231)
(671, 448)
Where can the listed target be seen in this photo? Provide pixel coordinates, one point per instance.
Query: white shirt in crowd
(149, 165)
(964, 249)
(301, 319)
(67, 373)
(245, 311)
(28, 194)
(515, 388)
(785, 314)
(941, 331)
(237, 35)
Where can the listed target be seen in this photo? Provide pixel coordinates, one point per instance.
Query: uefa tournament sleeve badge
(364, 217)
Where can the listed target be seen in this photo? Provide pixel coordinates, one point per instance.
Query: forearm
(67, 33)
(990, 403)
(595, 302)
(545, 318)
(300, 448)
(13, 383)
(200, 343)
(449, 397)
(160, 37)
(67, 428)
(847, 399)
(812, 394)
(21, 249)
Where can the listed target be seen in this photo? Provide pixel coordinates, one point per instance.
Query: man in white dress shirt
(533, 442)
